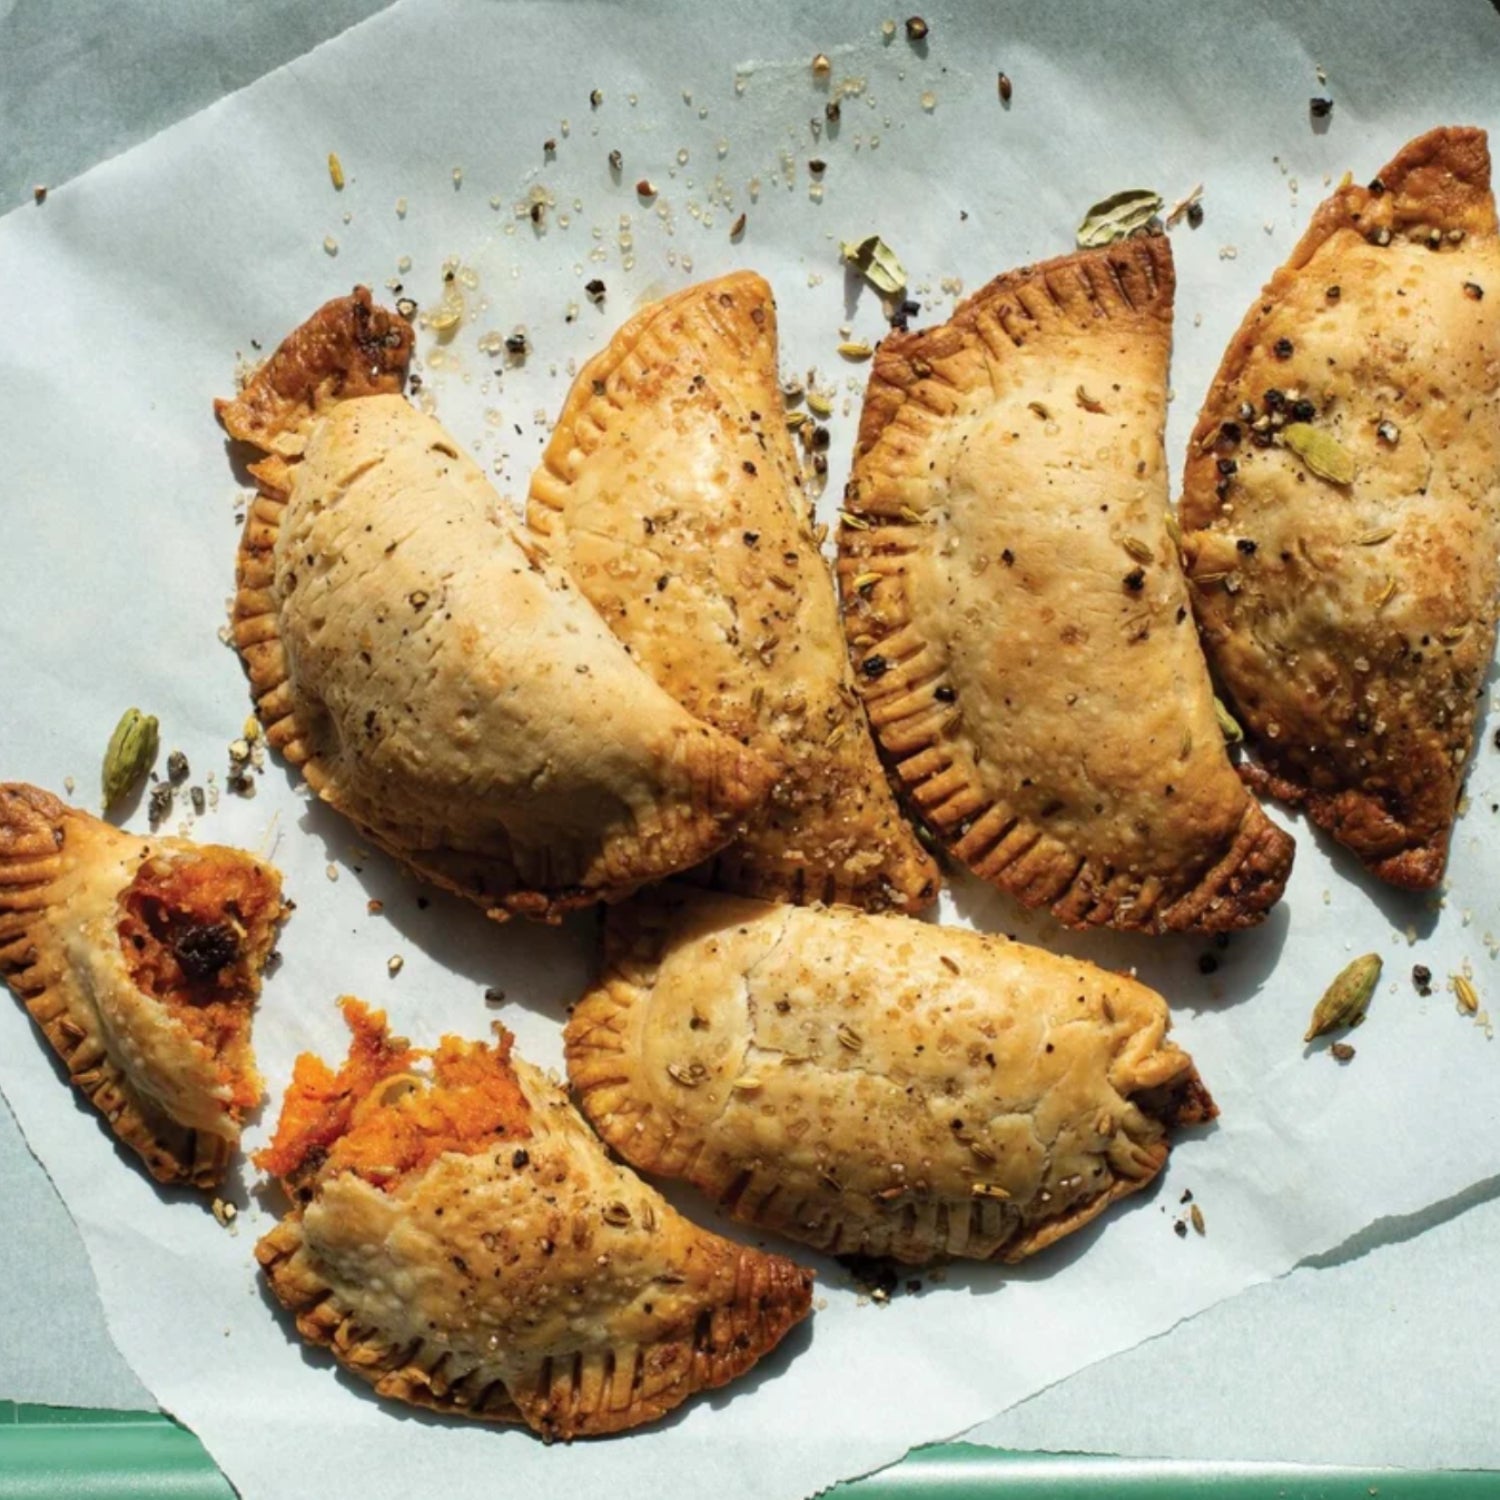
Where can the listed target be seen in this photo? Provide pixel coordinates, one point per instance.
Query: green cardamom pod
(876, 262)
(131, 753)
(1117, 217)
(1322, 452)
(1229, 726)
(1344, 1001)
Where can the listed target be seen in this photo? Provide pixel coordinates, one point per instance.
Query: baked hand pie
(874, 1085)
(462, 1241)
(670, 493)
(1341, 507)
(432, 676)
(140, 960)
(1017, 613)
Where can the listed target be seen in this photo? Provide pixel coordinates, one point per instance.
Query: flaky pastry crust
(431, 675)
(874, 1085)
(522, 1277)
(1350, 613)
(139, 959)
(670, 493)
(1017, 614)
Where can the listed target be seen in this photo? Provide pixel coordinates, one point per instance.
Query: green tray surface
(96, 1455)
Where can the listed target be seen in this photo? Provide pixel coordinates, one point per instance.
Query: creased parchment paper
(131, 292)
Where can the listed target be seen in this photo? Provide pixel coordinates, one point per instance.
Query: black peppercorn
(1320, 107)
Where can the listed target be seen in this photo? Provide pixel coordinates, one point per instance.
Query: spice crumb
(336, 171)
(394, 964)
(916, 29)
(1196, 1215)
(159, 805)
(332, 872)
(224, 1212)
(39, 194)
(1342, 1052)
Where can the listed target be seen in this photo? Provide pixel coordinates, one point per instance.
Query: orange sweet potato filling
(194, 932)
(380, 1119)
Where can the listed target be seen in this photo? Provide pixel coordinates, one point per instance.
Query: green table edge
(51, 1451)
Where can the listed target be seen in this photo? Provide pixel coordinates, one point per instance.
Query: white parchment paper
(130, 293)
